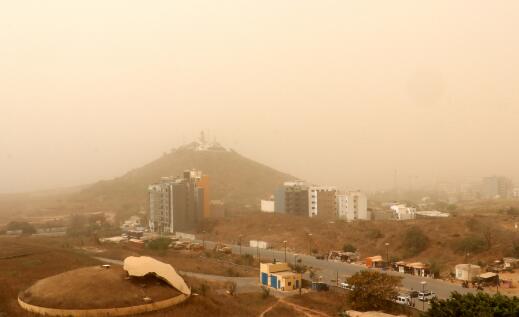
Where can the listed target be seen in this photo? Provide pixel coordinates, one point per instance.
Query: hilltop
(235, 179)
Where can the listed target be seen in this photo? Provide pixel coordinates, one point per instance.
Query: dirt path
(304, 310)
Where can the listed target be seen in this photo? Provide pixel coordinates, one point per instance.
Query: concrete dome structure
(100, 291)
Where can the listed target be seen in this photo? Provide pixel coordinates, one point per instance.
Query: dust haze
(335, 92)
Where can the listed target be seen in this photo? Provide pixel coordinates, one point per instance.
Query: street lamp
(285, 243)
(240, 242)
(309, 243)
(387, 253)
(423, 294)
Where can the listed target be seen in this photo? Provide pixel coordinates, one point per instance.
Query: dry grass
(327, 302)
(38, 258)
(369, 237)
(283, 310)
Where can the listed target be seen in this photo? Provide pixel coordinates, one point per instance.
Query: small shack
(467, 272)
(488, 278)
(375, 262)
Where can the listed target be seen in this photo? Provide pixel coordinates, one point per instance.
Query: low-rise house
(278, 275)
(415, 268)
(375, 262)
(419, 269)
(467, 272)
(488, 278)
(402, 212)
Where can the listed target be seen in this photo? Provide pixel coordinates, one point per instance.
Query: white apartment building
(352, 206)
(402, 212)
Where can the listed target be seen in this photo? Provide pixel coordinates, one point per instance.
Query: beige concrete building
(279, 276)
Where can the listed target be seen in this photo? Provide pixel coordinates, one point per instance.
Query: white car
(426, 296)
(347, 286)
(403, 300)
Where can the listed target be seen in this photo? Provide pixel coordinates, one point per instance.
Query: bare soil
(96, 287)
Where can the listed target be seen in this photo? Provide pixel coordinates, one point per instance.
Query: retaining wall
(104, 312)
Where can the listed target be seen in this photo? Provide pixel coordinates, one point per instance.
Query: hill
(233, 178)
(236, 180)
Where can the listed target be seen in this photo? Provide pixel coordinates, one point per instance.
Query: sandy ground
(96, 287)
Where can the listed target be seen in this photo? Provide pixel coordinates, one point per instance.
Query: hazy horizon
(336, 92)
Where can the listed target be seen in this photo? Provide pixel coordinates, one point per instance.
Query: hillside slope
(233, 178)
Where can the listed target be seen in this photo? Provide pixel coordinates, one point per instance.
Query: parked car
(403, 300)
(347, 286)
(426, 296)
(319, 257)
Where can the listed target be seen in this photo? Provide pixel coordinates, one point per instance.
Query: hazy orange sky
(337, 92)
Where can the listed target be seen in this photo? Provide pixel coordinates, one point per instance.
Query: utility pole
(285, 243)
(309, 243)
(423, 294)
(387, 254)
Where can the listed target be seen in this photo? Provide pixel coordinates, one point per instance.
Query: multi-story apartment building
(178, 203)
(352, 206)
(322, 202)
(496, 187)
(299, 198)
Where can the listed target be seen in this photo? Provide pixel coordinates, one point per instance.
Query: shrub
(374, 233)
(349, 248)
(471, 244)
(265, 292)
(231, 288)
(415, 241)
(26, 227)
(159, 244)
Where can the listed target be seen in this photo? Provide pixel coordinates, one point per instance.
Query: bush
(159, 244)
(26, 227)
(474, 305)
(471, 244)
(349, 248)
(415, 241)
(265, 292)
(231, 288)
(374, 233)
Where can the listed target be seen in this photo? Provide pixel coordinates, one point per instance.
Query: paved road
(329, 270)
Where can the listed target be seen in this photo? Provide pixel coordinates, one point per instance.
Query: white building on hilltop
(402, 212)
(352, 206)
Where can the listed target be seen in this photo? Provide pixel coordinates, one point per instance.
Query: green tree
(415, 241)
(348, 248)
(373, 290)
(474, 305)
